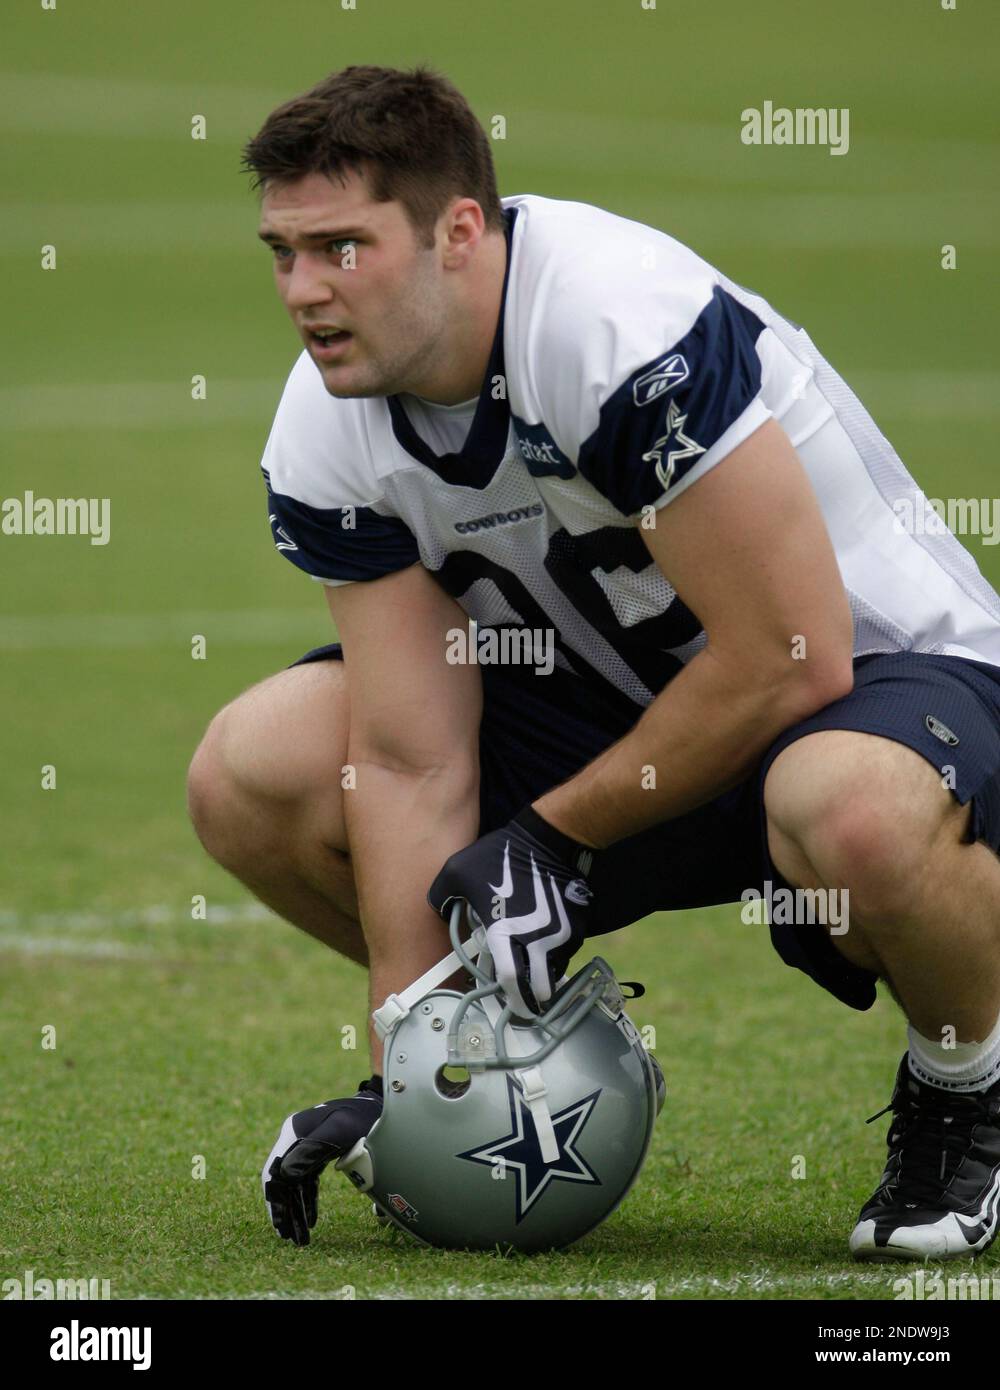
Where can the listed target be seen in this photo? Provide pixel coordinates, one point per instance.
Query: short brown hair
(410, 134)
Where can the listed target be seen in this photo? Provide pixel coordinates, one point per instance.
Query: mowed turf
(180, 1039)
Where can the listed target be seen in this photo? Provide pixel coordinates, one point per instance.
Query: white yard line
(821, 220)
(72, 933)
(139, 405)
(142, 405)
(815, 222)
(736, 1286)
(141, 108)
(44, 103)
(158, 915)
(138, 226)
(926, 395)
(21, 944)
(295, 627)
(712, 149)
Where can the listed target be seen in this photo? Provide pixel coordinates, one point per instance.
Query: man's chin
(341, 380)
(350, 392)
(347, 384)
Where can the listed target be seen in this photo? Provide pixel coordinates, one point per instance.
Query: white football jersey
(624, 367)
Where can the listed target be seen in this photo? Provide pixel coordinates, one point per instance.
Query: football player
(521, 416)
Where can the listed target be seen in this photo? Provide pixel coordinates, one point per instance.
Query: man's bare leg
(264, 792)
(850, 810)
(853, 811)
(266, 798)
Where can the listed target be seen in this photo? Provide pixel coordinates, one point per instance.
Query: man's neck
(459, 377)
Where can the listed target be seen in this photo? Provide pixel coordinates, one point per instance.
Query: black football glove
(526, 883)
(309, 1140)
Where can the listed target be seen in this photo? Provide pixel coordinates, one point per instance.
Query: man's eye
(338, 246)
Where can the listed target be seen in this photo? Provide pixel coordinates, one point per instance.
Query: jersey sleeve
(324, 502)
(655, 384)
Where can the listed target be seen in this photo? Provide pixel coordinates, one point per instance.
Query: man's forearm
(702, 735)
(401, 827)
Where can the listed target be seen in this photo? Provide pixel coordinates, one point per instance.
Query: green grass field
(178, 1037)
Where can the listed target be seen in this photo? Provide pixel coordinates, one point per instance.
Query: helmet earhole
(452, 1082)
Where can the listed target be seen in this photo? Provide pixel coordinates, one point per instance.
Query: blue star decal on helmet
(520, 1151)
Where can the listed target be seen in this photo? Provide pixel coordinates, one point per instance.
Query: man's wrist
(554, 839)
(556, 818)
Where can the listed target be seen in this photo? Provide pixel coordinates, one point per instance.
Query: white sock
(973, 1066)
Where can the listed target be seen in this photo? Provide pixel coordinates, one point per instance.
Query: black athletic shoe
(940, 1192)
(309, 1140)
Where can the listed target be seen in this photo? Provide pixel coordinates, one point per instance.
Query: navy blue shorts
(537, 731)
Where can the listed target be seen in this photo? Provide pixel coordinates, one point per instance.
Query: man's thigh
(283, 742)
(856, 811)
(918, 740)
(909, 759)
(839, 786)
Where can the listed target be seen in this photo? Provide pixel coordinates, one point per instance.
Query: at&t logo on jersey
(540, 451)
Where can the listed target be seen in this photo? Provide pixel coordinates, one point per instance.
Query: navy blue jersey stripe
(347, 543)
(668, 414)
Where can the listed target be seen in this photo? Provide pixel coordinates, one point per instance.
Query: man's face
(390, 306)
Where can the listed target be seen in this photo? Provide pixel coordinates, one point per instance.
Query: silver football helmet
(497, 1132)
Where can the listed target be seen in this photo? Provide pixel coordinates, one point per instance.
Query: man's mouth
(327, 342)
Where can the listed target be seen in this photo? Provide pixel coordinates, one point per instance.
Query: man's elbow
(815, 686)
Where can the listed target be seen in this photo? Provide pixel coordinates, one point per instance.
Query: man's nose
(307, 282)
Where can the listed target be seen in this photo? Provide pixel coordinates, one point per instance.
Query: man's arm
(413, 747)
(747, 550)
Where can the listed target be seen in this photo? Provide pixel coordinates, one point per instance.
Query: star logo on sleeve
(283, 540)
(519, 1152)
(686, 448)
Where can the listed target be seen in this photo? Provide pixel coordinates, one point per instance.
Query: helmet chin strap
(397, 1006)
(533, 1087)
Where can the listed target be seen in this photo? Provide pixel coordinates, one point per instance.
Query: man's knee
(858, 812)
(269, 769)
(215, 797)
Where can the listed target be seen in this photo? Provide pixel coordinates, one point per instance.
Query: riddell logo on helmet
(402, 1207)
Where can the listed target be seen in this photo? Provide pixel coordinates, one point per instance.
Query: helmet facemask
(498, 1131)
